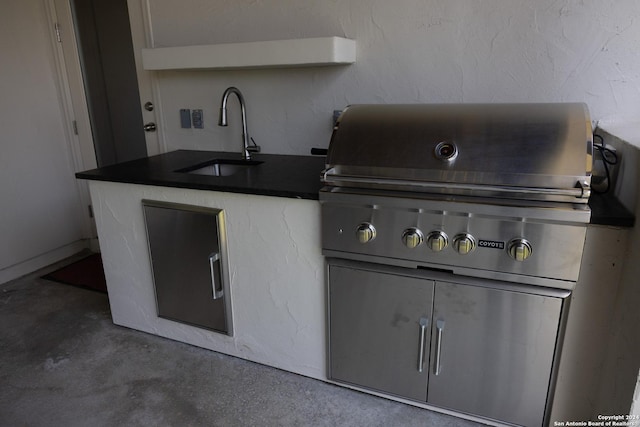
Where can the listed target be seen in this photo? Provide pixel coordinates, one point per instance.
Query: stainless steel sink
(220, 167)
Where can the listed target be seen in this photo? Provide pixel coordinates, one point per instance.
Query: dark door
(111, 86)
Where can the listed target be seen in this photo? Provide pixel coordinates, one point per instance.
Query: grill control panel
(435, 235)
(437, 240)
(464, 243)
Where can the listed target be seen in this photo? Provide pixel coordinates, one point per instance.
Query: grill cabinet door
(185, 249)
(496, 352)
(376, 333)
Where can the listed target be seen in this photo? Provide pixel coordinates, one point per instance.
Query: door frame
(73, 101)
(73, 96)
(72, 82)
(148, 86)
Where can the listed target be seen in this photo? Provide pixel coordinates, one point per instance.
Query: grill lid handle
(582, 190)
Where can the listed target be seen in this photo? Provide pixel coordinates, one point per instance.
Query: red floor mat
(86, 273)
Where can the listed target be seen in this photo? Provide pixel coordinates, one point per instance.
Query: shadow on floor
(63, 362)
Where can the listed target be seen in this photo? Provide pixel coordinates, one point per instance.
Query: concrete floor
(63, 363)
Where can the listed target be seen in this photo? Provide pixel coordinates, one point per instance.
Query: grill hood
(532, 151)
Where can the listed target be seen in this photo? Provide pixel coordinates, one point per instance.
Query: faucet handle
(255, 148)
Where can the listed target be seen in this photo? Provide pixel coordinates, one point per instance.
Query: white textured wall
(619, 374)
(41, 210)
(275, 266)
(589, 325)
(409, 51)
(622, 364)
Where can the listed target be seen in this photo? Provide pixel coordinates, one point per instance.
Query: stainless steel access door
(492, 351)
(379, 330)
(187, 248)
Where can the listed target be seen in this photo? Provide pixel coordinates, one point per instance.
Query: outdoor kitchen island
(276, 269)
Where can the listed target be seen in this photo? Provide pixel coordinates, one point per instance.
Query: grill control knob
(412, 237)
(437, 241)
(365, 232)
(519, 249)
(464, 243)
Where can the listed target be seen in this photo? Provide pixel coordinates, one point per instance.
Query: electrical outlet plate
(336, 114)
(196, 117)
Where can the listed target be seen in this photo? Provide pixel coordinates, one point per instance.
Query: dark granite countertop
(606, 209)
(278, 175)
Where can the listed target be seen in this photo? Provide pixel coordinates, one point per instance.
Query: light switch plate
(185, 118)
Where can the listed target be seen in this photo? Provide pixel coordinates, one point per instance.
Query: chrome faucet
(246, 148)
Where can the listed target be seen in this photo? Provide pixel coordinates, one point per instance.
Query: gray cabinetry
(496, 352)
(187, 249)
(487, 349)
(375, 333)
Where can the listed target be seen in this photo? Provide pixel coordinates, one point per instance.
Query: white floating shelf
(311, 52)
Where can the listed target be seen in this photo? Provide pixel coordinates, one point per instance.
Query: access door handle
(440, 329)
(149, 127)
(424, 323)
(213, 259)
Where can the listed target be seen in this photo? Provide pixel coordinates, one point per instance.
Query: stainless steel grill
(496, 190)
(454, 236)
(532, 151)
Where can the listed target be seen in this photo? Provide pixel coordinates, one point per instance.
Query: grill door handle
(424, 323)
(213, 258)
(440, 329)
